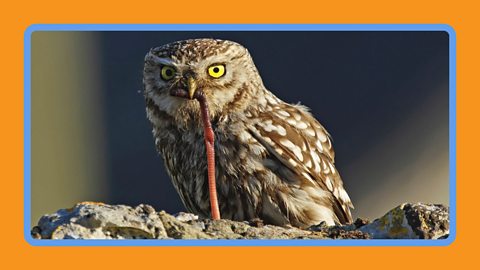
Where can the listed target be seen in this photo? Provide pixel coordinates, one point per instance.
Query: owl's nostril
(188, 74)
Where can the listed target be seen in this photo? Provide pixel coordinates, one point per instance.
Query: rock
(89, 220)
(178, 229)
(185, 217)
(411, 221)
(102, 221)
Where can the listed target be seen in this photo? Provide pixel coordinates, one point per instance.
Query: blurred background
(383, 96)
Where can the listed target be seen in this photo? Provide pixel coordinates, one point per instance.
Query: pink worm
(209, 144)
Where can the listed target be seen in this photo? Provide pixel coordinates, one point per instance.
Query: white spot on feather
(267, 126)
(308, 164)
(268, 140)
(301, 125)
(310, 132)
(261, 101)
(293, 162)
(331, 167)
(328, 182)
(304, 146)
(324, 165)
(272, 100)
(309, 178)
(283, 113)
(245, 136)
(336, 193)
(343, 195)
(316, 161)
(319, 145)
(321, 135)
(295, 149)
(314, 156)
(281, 131)
(291, 121)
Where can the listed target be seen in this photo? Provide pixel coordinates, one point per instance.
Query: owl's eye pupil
(169, 72)
(216, 69)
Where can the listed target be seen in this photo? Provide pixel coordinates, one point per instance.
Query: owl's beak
(192, 87)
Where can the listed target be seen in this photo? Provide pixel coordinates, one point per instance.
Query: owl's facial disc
(175, 72)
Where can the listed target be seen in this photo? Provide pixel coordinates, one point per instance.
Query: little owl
(274, 160)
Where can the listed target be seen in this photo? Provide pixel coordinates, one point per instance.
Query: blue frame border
(241, 27)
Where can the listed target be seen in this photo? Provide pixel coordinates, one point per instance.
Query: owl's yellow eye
(167, 73)
(216, 71)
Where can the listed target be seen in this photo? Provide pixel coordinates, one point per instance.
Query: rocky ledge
(88, 220)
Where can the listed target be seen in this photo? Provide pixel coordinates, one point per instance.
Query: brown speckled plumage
(274, 161)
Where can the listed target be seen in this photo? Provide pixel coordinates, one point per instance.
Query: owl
(273, 160)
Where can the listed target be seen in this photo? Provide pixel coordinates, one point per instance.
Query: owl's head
(221, 69)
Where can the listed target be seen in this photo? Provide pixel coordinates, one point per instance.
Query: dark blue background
(360, 85)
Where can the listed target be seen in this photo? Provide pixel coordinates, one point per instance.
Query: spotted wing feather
(293, 137)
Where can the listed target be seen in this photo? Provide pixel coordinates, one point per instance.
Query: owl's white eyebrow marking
(163, 61)
(166, 61)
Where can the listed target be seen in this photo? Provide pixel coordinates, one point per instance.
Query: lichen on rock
(411, 221)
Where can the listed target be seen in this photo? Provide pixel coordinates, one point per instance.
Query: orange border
(19, 15)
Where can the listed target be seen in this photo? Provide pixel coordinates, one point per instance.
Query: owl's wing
(292, 136)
